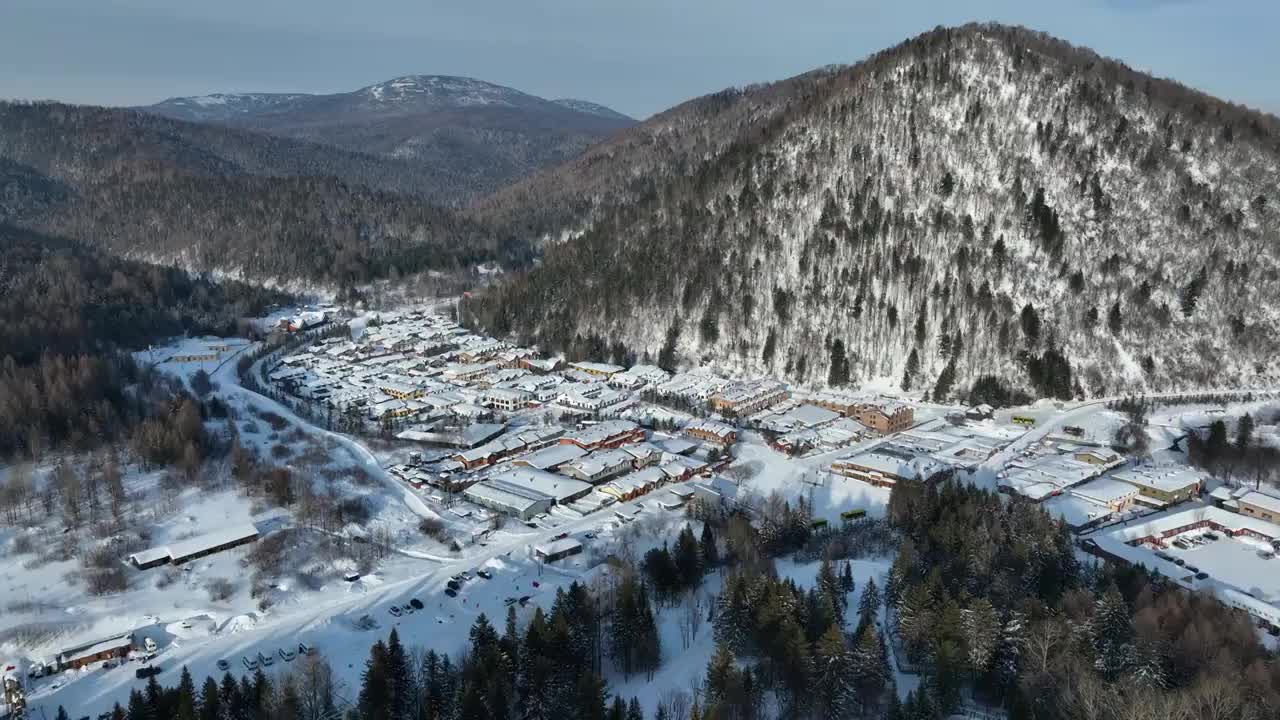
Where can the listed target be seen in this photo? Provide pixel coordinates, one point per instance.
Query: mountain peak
(447, 89)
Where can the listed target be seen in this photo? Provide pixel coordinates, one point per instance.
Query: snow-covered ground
(43, 613)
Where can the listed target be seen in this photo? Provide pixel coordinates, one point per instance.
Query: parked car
(223, 665)
(485, 574)
(250, 663)
(287, 655)
(465, 575)
(305, 649)
(1179, 561)
(407, 609)
(416, 603)
(108, 664)
(143, 673)
(589, 535)
(525, 600)
(265, 659)
(395, 610)
(1212, 537)
(454, 585)
(1193, 568)
(1202, 576)
(510, 601)
(561, 536)
(451, 592)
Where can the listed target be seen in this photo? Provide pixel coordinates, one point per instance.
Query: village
(530, 462)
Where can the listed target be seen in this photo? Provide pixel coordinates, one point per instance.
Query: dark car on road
(143, 673)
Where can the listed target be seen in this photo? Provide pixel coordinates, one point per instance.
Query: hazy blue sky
(638, 56)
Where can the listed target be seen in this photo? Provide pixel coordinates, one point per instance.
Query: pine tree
(913, 367)
(1115, 322)
(1112, 632)
(687, 558)
(869, 667)
(1244, 432)
(1191, 292)
(210, 701)
(62, 714)
(830, 592)
(869, 603)
(589, 698)
(833, 678)
(981, 633)
(138, 707)
(846, 578)
(707, 544)
(634, 712)
(401, 688)
(1030, 321)
(618, 710)
(375, 685)
(185, 697)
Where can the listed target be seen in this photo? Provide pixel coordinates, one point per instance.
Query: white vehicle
(287, 655)
(149, 645)
(250, 664)
(265, 659)
(305, 649)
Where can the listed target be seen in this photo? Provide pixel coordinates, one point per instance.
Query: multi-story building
(742, 399)
(712, 432)
(884, 419)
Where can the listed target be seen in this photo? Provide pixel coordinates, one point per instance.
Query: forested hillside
(68, 313)
(215, 199)
(976, 201)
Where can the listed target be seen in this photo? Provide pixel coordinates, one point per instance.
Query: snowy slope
(931, 192)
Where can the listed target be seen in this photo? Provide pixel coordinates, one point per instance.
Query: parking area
(1247, 564)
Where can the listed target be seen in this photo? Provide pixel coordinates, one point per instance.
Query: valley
(938, 385)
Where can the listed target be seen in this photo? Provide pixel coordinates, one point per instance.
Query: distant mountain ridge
(206, 197)
(481, 134)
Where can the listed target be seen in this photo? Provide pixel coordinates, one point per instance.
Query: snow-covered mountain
(979, 201)
(481, 134)
(221, 107)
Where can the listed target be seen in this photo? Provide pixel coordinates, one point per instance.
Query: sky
(636, 57)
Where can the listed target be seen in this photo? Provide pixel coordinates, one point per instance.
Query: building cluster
(424, 371)
(532, 472)
(830, 420)
(1231, 554)
(920, 453)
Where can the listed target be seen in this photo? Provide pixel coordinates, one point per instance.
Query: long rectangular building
(196, 547)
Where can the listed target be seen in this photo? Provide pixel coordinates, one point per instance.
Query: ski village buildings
(506, 432)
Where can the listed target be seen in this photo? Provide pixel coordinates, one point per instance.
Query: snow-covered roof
(552, 457)
(811, 415)
(1262, 500)
(1166, 478)
(554, 486)
(197, 545)
(1104, 490)
(556, 547)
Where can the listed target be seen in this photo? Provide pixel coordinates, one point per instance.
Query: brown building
(884, 419)
(96, 651)
(712, 432)
(748, 398)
